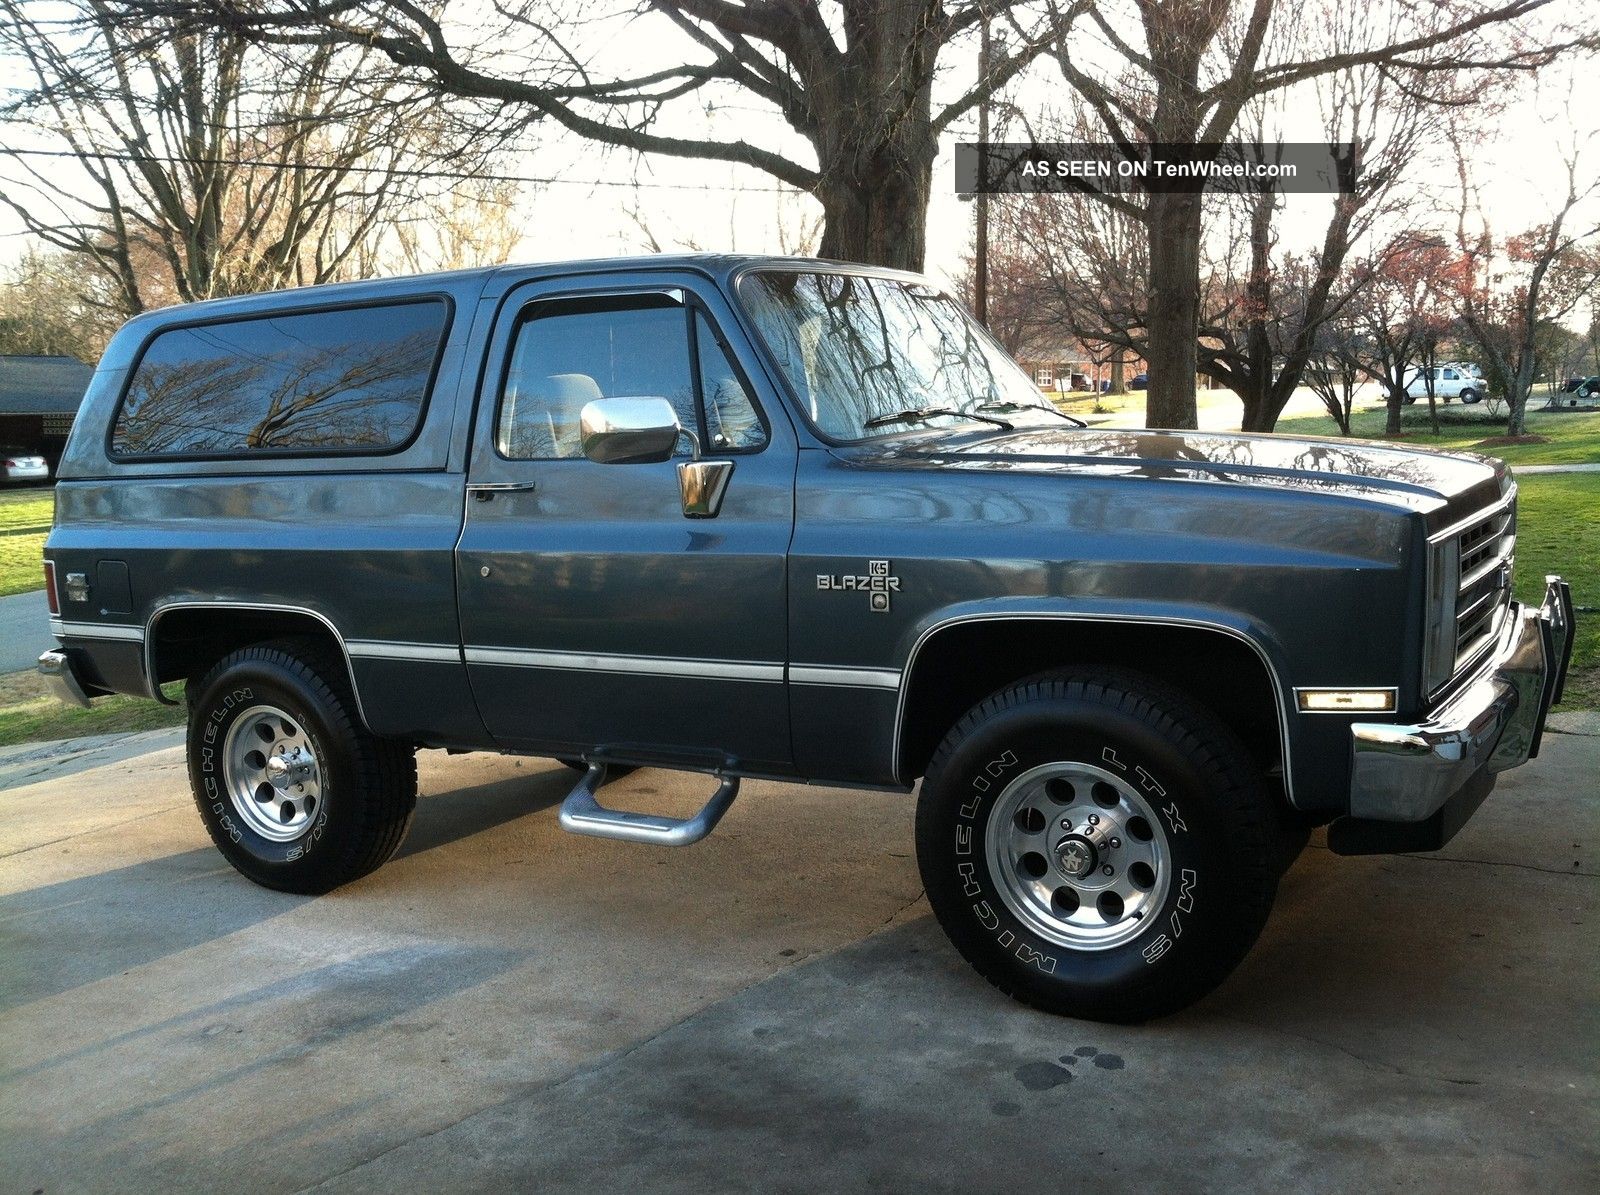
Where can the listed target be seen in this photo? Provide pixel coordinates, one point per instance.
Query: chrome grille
(1488, 547)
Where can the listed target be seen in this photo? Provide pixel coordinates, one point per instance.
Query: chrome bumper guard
(1409, 773)
(56, 667)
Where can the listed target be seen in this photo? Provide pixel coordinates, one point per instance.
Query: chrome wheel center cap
(1075, 856)
(287, 767)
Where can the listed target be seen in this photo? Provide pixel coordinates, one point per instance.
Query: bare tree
(1077, 272)
(1333, 372)
(46, 309)
(184, 163)
(1184, 74)
(1402, 303)
(854, 80)
(1507, 288)
(473, 224)
(1262, 309)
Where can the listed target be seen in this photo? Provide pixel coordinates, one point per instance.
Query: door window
(732, 424)
(568, 353)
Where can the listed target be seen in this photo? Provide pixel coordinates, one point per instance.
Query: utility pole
(980, 286)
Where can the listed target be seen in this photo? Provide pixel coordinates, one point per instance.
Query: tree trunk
(1397, 396)
(1119, 383)
(1174, 284)
(1518, 384)
(882, 220)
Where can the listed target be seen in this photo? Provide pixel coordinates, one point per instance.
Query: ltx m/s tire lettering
(1066, 829)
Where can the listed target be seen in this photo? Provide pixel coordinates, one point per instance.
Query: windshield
(876, 356)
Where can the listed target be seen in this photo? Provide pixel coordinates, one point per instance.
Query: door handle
(484, 490)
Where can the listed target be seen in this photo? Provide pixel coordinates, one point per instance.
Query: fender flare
(1238, 630)
(161, 610)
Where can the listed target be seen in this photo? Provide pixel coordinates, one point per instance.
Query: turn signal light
(50, 588)
(1338, 701)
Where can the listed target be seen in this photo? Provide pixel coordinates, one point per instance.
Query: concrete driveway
(504, 1006)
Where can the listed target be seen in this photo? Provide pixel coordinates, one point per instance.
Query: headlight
(1444, 585)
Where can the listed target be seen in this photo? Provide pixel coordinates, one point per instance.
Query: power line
(402, 171)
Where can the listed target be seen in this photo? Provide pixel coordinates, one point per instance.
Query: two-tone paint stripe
(678, 666)
(684, 667)
(388, 649)
(96, 630)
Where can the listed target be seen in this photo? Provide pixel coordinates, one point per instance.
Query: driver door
(597, 617)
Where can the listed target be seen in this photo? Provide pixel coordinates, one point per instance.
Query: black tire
(1410, 399)
(366, 785)
(1469, 396)
(1221, 838)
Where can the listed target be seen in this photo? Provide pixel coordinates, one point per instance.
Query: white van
(1449, 381)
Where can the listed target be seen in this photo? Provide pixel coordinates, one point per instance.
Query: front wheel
(294, 790)
(1096, 845)
(1470, 396)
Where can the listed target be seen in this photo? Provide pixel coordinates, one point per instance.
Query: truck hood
(1440, 486)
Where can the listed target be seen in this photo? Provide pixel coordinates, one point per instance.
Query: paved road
(506, 1007)
(24, 630)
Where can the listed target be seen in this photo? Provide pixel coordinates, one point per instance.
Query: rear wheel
(294, 790)
(1096, 845)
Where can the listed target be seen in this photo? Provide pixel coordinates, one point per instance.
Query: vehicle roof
(717, 266)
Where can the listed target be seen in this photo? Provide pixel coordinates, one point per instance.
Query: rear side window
(353, 380)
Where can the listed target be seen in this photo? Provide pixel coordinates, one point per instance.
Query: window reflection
(857, 348)
(351, 380)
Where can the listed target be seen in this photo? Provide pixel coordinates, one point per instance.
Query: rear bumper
(1430, 770)
(56, 667)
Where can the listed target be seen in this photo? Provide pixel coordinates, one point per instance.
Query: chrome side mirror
(628, 431)
(638, 431)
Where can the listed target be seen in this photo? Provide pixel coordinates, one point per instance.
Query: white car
(16, 465)
(1449, 381)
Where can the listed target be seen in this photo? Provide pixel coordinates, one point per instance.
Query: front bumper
(1416, 773)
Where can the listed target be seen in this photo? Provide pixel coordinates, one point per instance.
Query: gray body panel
(609, 624)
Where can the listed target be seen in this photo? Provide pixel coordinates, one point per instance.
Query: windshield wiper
(923, 414)
(1006, 404)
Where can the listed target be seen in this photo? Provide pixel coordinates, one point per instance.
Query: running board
(581, 813)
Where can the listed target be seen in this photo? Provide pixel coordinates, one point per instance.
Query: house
(39, 399)
(1070, 366)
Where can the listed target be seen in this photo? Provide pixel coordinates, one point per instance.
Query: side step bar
(581, 813)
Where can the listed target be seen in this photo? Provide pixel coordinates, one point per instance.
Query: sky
(596, 211)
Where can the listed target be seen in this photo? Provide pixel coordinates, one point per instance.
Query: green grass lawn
(1573, 438)
(1558, 531)
(24, 522)
(28, 714)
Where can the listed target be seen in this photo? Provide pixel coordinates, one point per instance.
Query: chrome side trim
(388, 649)
(1064, 616)
(96, 630)
(161, 611)
(517, 657)
(847, 678)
